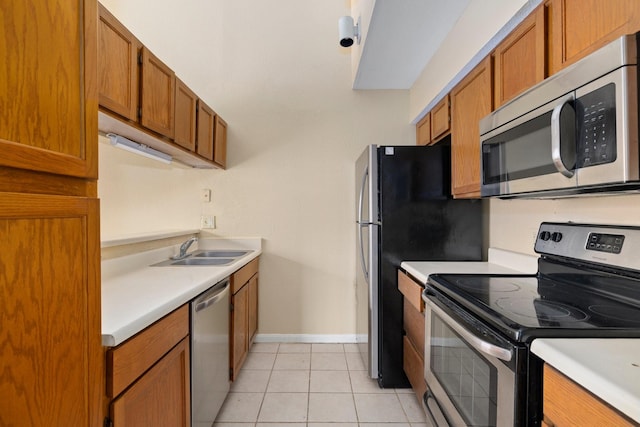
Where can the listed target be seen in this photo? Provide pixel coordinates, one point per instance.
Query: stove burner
(541, 310)
(496, 284)
(631, 315)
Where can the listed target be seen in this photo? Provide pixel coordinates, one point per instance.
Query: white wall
(275, 73)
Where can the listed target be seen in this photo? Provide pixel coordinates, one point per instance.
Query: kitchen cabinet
(566, 403)
(157, 94)
(51, 353)
(435, 124)
(148, 376)
(205, 131)
(520, 59)
(185, 116)
(244, 314)
(471, 100)
(413, 340)
(220, 143)
(117, 66)
(579, 27)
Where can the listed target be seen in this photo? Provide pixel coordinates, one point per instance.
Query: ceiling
(401, 39)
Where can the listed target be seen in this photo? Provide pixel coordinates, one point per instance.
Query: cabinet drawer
(129, 360)
(242, 276)
(566, 403)
(414, 326)
(414, 368)
(411, 290)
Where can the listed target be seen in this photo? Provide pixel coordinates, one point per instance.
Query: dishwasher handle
(212, 296)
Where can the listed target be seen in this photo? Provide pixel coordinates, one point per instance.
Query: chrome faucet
(184, 247)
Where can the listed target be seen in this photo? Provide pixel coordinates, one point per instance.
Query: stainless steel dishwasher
(209, 353)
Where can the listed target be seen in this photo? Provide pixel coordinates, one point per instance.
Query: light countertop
(500, 262)
(608, 368)
(134, 294)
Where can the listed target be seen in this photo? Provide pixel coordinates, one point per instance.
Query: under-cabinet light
(137, 148)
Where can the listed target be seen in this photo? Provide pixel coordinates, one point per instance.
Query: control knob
(545, 235)
(556, 236)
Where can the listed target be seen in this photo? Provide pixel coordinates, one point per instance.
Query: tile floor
(314, 385)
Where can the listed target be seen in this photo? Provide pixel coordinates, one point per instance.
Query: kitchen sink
(219, 253)
(202, 261)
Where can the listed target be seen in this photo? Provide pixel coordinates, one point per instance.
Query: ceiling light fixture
(137, 148)
(348, 32)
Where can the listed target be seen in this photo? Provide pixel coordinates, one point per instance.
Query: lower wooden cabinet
(148, 376)
(413, 341)
(244, 314)
(566, 403)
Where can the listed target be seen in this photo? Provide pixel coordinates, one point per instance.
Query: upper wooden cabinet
(117, 66)
(435, 124)
(580, 27)
(48, 121)
(185, 116)
(471, 100)
(220, 143)
(206, 129)
(520, 59)
(423, 130)
(157, 94)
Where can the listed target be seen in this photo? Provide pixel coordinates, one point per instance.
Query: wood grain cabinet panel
(157, 95)
(159, 398)
(185, 116)
(205, 130)
(440, 119)
(566, 404)
(520, 59)
(423, 130)
(471, 100)
(580, 27)
(49, 94)
(51, 352)
(253, 308)
(244, 314)
(220, 143)
(117, 66)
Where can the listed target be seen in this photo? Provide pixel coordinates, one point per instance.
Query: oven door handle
(434, 411)
(477, 343)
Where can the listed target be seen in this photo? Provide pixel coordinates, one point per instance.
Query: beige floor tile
(327, 348)
(331, 407)
(332, 424)
(412, 407)
(328, 361)
(289, 381)
(351, 348)
(361, 383)
(223, 424)
(240, 407)
(262, 361)
(385, 425)
(294, 348)
(379, 408)
(355, 362)
(251, 380)
(330, 381)
(292, 361)
(265, 347)
(280, 425)
(405, 391)
(284, 407)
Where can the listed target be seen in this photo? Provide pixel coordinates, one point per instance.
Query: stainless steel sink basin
(194, 262)
(219, 253)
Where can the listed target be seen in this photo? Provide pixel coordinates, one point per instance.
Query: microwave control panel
(596, 121)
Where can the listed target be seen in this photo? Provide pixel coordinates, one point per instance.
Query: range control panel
(604, 244)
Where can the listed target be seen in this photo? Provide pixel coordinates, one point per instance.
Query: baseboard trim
(306, 338)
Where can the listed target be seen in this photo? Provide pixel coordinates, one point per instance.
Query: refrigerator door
(367, 232)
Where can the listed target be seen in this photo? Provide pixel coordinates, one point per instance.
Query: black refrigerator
(404, 212)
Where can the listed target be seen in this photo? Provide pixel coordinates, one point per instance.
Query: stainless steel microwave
(574, 133)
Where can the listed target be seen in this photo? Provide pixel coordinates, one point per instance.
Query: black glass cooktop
(528, 307)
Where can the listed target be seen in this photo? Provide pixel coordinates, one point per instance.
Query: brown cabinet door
(239, 330)
(471, 100)
(161, 397)
(117, 67)
(51, 352)
(157, 95)
(581, 26)
(440, 119)
(423, 130)
(520, 59)
(48, 119)
(206, 130)
(185, 116)
(220, 143)
(253, 308)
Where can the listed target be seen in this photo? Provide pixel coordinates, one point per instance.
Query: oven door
(470, 374)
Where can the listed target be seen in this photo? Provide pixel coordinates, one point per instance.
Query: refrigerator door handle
(363, 262)
(365, 175)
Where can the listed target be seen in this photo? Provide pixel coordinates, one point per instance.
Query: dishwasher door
(209, 353)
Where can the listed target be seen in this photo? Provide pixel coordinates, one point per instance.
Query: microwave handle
(558, 137)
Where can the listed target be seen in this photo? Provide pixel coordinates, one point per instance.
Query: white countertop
(608, 368)
(500, 262)
(134, 295)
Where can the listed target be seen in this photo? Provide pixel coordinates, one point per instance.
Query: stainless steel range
(479, 328)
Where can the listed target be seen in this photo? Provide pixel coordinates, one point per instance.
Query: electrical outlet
(205, 195)
(207, 221)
